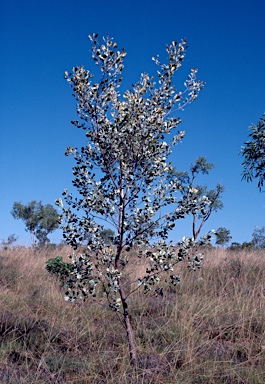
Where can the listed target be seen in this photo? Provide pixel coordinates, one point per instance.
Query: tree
(222, 236)
(235, 246)
(258, 237)
(121, 178)
(40, 220)
(196, 192)
(10, 241)
(248, 245)
(108, 236)
(254, 154)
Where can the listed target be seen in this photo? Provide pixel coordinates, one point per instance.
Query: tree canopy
(253, 152)
(121, 177)
(222, 236)
(258, 237)
(40, 220)
(188, 188)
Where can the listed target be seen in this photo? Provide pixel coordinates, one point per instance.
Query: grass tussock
(208, 329)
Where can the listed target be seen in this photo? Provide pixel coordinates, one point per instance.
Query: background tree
(10, 241)
(258, 237)
(254, 154)
(235, 246)
(121, 178)
(40, 220)
(108, 236)
(222, 236)
(197, 192)
(248, 245)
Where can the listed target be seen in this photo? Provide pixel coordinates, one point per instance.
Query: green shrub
(59, 268)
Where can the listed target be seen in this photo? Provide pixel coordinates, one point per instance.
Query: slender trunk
(196, 233)
(126, 316)
(128, 326)
(194, 227)
(33, 237)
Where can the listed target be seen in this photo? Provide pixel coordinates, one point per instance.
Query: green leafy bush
(59, 268)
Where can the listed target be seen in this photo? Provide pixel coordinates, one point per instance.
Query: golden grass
(208, 329)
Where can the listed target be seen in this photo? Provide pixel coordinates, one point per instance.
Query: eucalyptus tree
(10, 241)
(258, 238)
(108, 236)
(254, 154)
(121, 177)
(40, 219)
(196, 192)
(222, 236)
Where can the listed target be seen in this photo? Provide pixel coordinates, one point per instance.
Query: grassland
(209, 329)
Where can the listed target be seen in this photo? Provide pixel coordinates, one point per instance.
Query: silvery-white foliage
(121, 172)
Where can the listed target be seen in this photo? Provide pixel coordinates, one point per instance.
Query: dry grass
(209, 329)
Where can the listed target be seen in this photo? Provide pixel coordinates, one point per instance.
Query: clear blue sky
(42, 39)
